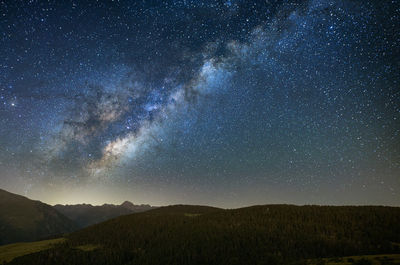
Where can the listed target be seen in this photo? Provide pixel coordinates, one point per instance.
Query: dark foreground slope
(271, 234)
(86, 214)
(22, 219)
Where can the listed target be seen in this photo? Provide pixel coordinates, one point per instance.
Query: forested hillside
(270, 234)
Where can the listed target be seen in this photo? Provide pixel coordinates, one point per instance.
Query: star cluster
(226, 103)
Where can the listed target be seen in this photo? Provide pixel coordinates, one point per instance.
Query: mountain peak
(136, 207)
(127, 204)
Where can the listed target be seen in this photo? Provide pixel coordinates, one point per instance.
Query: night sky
(225, 103)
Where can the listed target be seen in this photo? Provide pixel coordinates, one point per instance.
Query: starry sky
(226, 103)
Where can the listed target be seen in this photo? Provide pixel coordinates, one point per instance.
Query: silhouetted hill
(22, 219)
(86, 214)
(270, 234)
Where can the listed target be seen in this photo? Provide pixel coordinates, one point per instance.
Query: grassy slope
(11, 251)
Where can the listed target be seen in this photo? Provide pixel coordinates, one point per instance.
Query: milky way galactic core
(227, 103)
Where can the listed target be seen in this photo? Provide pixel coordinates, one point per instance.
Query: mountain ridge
(23, 219)
(87, 214)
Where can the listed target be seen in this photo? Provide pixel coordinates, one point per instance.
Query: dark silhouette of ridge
(22, 219)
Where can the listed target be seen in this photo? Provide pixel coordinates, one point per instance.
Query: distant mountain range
(86, 214)
(22, 219)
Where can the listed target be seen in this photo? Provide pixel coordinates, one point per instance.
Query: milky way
(226, 103)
